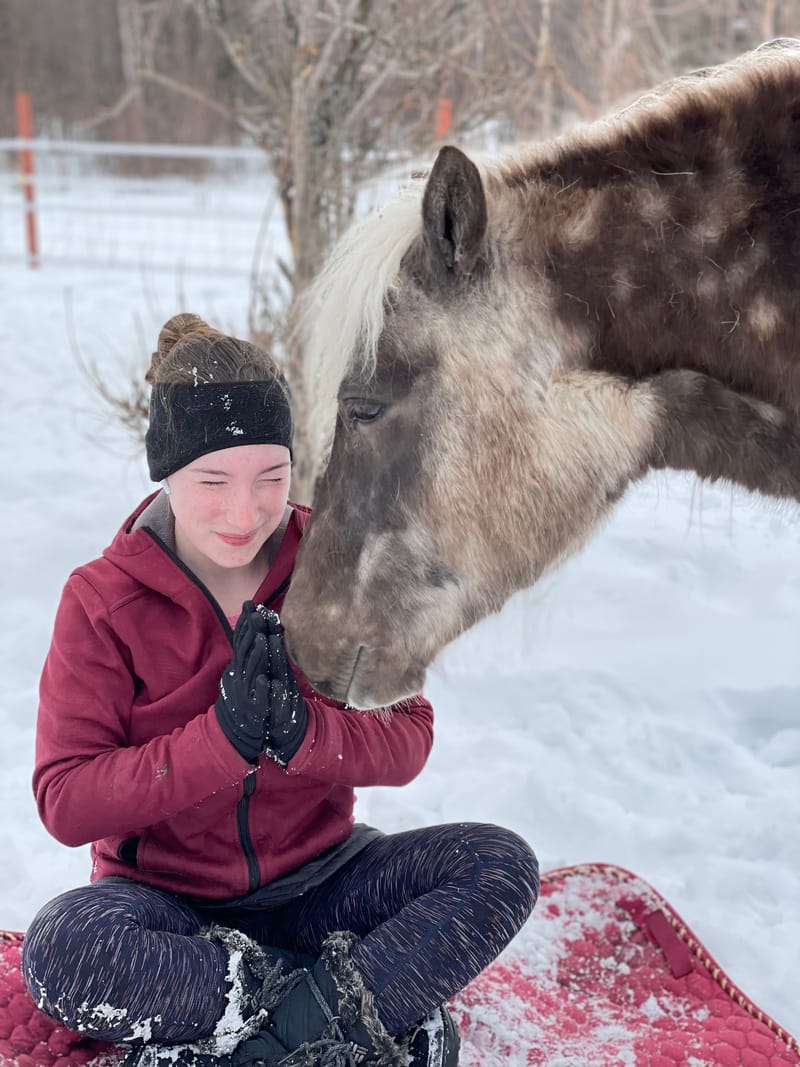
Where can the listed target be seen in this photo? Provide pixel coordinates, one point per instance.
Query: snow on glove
(252, 621)
(243, 703)
(287, 720)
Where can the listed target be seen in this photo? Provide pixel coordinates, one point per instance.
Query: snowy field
(640, 707)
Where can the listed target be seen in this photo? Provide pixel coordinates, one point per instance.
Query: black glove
(287, 719)
(243, 702)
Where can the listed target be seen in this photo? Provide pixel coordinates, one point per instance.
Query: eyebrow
(266, 470)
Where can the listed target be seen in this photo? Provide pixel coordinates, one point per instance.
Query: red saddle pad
(605, 974)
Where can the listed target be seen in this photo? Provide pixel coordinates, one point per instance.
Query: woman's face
(227, 503)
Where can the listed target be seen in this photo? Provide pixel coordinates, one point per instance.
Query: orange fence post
(444, 116)
(24, 113)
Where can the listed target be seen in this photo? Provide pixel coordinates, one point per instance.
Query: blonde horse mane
(341, 314)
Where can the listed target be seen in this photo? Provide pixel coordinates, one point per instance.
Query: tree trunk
(307, 243)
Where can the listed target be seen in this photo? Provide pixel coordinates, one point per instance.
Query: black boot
(434, 1042)
(328, 1019)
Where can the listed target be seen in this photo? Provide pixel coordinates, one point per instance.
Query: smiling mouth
(236, 539)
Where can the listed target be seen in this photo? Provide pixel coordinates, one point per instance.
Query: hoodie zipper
(242, 822)
(249, 783)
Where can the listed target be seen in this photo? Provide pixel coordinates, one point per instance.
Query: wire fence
(180, 208)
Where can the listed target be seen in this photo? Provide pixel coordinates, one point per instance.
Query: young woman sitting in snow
(236, 915)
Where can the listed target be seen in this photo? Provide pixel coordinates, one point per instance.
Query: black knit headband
(188, 421)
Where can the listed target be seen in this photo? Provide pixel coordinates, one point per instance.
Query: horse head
(459, 469)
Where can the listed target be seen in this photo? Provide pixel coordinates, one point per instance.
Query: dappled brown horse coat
(537, 332)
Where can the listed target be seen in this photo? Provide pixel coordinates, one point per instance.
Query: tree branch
(195, 94)
(126, 98)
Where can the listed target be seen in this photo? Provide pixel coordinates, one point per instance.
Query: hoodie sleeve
(388, 746)
(89, 782)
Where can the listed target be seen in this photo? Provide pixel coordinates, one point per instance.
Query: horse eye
(363, 410)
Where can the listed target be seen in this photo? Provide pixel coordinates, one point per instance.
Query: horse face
(372, 574)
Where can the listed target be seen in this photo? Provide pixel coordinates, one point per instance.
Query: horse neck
(657, 269)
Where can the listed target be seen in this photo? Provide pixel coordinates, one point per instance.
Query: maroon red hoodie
(129, 753)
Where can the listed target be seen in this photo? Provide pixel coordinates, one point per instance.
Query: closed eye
(363, 411)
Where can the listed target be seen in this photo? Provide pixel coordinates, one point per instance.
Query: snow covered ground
(641, 706)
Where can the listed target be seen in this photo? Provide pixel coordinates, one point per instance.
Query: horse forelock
(342, 312)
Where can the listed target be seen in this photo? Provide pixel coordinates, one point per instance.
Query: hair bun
(174, 330)
(180, 326)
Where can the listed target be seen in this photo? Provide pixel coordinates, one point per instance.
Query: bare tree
(574, 59)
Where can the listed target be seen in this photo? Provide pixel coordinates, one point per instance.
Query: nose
(242, 510)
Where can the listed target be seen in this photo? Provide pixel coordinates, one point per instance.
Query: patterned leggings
(122, 961)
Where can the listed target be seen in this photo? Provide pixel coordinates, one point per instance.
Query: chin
(234, 557)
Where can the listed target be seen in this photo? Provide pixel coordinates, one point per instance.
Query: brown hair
(191, 352)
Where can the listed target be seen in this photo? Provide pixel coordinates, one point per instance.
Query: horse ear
(454, 212)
